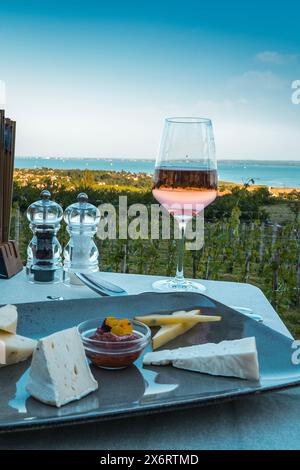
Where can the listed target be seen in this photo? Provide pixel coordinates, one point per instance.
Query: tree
(294, 204)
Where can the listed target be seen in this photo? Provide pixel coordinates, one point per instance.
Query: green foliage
(249, 203)
(294, 204)
(240, 244)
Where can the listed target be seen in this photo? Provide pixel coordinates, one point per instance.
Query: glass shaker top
(82, 214)
(44, 211)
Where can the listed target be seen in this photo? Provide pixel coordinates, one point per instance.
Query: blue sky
(88, 79)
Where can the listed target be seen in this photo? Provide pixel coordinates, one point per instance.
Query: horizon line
(152, 159)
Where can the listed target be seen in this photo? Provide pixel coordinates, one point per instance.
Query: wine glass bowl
(185, 181)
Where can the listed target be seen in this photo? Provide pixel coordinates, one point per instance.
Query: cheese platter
(103, 358)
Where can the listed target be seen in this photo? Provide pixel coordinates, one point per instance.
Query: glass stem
(179, 278)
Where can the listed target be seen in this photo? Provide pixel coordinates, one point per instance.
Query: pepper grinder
(81, 253)
(44, 251)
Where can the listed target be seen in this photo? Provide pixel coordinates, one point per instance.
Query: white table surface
(269, 421)
(18, 290)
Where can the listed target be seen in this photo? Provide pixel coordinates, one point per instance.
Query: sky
(98, 78)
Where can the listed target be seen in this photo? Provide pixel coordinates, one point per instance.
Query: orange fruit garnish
(111, 321)
(126, 325)
(117, 330)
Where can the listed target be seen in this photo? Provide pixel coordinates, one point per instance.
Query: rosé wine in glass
(185, 181)
(184, 192)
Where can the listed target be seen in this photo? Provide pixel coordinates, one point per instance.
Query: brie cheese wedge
(8, 319)
(59, 371)
(236, 358)
(15, 348)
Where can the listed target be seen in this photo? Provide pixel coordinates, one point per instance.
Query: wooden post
(10, 260)
(194, 258)
(274, 235)
(207, 267)
(124, 268)
(2, 134)
(275, 283)
(262, 243)
(298, 281)
(17, 224)
(247, 266)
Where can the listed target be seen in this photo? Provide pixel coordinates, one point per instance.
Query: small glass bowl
(109, 354)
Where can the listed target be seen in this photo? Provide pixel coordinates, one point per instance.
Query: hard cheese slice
(169, 332)
(15, 348)
(162, 320)
(59, 371)
(8, 318)
(236, 358)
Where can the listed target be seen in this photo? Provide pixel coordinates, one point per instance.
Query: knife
(100, 286)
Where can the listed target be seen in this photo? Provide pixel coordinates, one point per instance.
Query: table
(270, 421)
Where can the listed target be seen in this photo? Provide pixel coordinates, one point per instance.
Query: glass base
(43, 276)
(70, 279)
(172, 285)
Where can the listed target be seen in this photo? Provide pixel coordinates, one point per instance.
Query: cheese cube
(15, 348)
(59, 371)
(8, 318)
(236, 358)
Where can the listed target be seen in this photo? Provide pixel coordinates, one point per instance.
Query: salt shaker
(44, 251)
(81, 253)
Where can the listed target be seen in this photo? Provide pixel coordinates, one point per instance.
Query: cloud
(257, 81)
(274, 57)
(222, 108)
(251, 128)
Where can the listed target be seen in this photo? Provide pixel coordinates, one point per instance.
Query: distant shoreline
(274, 190)
(132, 159)
(225, 187)
(281, 174)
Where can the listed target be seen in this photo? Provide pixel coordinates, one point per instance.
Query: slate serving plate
(138, 390)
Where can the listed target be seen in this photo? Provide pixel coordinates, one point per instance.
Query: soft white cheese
(8, 318)
(236, 358)
(59, 371)
(15, 348)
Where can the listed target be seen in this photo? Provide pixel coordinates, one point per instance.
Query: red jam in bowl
(115, 345)
(107, 361)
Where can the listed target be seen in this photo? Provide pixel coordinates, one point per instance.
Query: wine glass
(185, 182)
